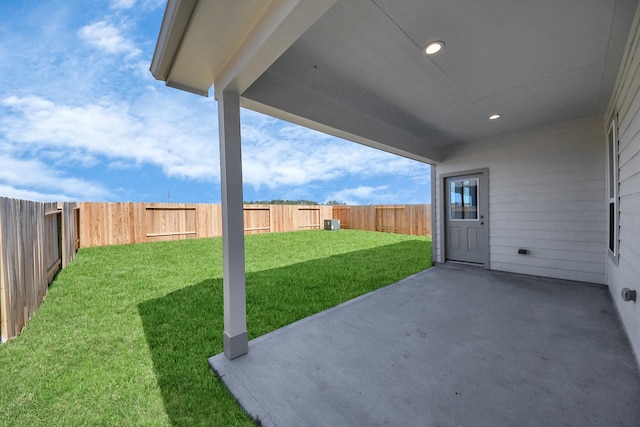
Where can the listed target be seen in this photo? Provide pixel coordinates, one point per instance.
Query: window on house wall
(463, 199)
(612, 187)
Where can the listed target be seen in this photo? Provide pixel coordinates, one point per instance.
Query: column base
(235, 346)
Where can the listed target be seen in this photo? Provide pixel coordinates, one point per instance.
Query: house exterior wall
(546, 194)
(625, 270)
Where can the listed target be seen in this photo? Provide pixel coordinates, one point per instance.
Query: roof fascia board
(175, 22)
(280, 25)
(185, 88)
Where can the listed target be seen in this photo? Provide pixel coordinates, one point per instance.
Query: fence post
(3, 299)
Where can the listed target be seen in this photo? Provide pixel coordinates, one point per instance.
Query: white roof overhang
(356, 69)
(228, 42)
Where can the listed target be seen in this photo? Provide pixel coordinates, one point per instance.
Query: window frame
(477, 200)
(613, 190)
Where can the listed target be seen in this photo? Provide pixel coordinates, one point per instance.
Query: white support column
(434, 210)
(235, 311)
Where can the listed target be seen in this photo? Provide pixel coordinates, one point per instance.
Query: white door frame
(484, 191)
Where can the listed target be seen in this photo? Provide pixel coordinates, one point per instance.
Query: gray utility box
(332, 224)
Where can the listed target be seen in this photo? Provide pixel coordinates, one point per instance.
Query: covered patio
(529, 115)
(453, 345)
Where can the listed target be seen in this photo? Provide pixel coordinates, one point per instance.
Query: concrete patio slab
(451, 346)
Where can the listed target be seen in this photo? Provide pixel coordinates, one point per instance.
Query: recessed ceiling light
(433, 48)
(494, 117)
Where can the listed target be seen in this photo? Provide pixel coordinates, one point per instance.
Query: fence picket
(33, 247)
(103, 224)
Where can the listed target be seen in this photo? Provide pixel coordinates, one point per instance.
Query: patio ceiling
(356, 68)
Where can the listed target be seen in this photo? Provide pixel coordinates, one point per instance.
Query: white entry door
(466, 211)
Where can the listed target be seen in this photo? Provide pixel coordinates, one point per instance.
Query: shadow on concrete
(184, 328)
(449, 346)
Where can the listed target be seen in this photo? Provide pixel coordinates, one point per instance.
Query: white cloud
(18, 174)
(169, 137)
(182, 140)
(129, 4)
(154, 4)
(109, 38)
(354, 196)
(35, 196)
(179, 135)
(122, 4)
(276, 155)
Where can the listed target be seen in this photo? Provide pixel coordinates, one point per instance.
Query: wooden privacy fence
(400, 219)
(103, 224)
(36, 241)
(39, 239)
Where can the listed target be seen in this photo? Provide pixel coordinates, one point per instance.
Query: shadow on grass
(183, 329)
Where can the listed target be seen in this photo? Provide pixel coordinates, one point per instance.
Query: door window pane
(463, 196)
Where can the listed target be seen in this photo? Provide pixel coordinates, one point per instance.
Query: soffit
(215, 31)
(536, 63)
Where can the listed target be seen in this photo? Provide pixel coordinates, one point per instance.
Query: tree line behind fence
(39, 239)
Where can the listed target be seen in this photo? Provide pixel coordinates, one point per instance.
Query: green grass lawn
(124, 334)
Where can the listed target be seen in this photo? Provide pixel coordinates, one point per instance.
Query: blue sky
(81, 118)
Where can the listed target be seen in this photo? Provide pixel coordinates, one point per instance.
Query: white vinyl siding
(626, 106)
(547, 189)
